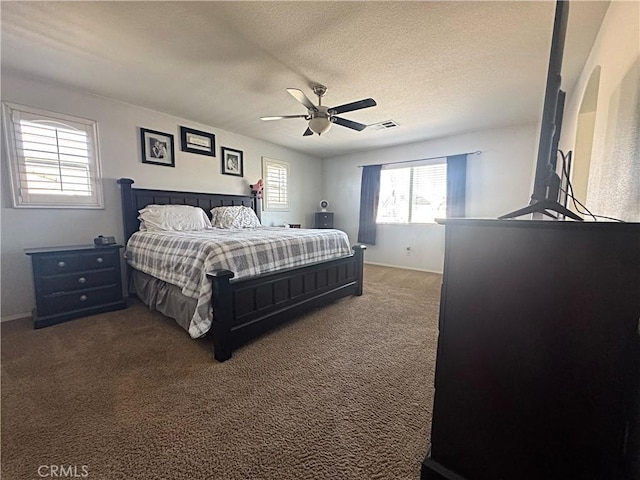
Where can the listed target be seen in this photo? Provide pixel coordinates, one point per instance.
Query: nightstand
(75, 281)
(324, 219)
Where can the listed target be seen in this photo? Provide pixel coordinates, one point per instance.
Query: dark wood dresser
(538, 363)
(75, 281)
(324, 219)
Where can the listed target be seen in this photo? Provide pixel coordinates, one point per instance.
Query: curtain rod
(477, 152)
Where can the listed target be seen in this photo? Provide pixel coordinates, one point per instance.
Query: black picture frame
(232, 161)
(157, 148)
(197, 141)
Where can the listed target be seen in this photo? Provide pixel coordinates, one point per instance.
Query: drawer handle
(83, 298)
(99, 260)
(62, 264)
(82, 280)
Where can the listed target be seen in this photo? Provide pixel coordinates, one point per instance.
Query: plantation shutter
(276, 184)
(428, 193)
(53, 159)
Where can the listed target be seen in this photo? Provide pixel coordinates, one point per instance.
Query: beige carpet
(343, 393)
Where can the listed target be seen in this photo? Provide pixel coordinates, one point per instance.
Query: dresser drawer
(62, 263)
(68, 301)
(78, 280)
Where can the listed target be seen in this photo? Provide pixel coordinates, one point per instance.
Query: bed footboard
(246, 308)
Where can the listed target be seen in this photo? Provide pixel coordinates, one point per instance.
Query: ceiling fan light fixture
(319, 125)
(321, 117)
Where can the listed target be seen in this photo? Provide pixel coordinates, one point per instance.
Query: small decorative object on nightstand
(75, 281)
(324, 219)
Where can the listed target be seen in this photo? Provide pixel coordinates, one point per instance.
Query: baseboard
(18, 316)
(403, 267)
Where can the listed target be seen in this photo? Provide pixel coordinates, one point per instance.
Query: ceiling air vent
(383, 125)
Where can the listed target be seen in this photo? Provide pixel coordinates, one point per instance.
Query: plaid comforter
(184, 258)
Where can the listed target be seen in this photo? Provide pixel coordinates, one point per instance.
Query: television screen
(546, 185)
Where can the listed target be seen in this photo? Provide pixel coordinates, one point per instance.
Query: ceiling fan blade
(349, 124)
(302, 98)
(307, 132)
(350, 107)
(283, 116)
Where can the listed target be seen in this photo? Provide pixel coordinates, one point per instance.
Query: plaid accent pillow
(234, 217)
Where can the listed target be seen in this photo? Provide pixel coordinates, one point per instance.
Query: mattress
(184, 258)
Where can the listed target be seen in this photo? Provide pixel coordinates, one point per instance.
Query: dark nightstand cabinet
(324, 219)
(76, 281)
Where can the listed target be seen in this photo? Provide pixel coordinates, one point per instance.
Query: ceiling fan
(320, 117)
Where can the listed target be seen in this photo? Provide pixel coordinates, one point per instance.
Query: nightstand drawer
(324, 220)
(65, 302)
(60, 263)
(78, 281)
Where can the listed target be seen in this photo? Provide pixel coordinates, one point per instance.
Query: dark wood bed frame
(248, 307)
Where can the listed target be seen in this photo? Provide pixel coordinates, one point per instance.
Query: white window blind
(416, 194)
(276, 184)
(53, 159)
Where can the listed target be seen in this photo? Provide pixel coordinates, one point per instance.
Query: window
(276, 184)
(416, 194)
(53, 159)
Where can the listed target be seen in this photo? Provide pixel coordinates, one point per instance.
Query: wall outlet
(408, 251)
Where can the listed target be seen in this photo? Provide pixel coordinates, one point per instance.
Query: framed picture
(195, 141)
(157, 148)
(231, 161)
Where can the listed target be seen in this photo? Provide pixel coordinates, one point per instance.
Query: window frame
(46, 201)
(266, 205)
(410, 189)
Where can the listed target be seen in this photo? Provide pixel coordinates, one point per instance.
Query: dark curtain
(369, 196)
(456, 185)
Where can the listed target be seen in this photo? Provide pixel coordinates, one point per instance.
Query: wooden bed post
(256, 205)
(358, 253)
(130, 225)
(223, 317)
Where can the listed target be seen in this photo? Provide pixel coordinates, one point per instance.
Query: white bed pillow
(234, 217)
(173, 218)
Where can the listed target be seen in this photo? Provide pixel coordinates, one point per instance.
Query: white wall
(499, 180)
(118, 125)
(614, 176)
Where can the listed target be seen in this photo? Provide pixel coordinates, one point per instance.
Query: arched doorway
(584, 138)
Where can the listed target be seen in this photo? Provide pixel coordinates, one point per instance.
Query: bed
(247, 306)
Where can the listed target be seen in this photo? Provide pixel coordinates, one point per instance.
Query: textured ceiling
(435, 68)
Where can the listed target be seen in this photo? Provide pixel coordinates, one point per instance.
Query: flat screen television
(546, 185)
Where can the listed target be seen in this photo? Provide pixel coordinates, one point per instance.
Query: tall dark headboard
(134, 199)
